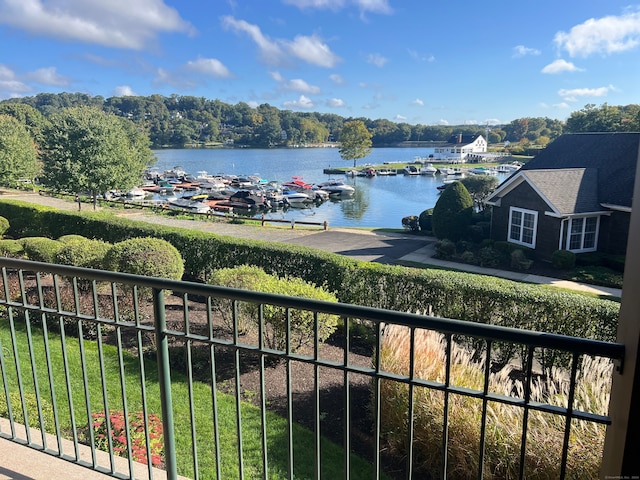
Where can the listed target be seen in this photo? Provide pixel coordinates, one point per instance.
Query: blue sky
(414, 61)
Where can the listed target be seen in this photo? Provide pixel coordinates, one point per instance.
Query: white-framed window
(583, 234)
(523, 225)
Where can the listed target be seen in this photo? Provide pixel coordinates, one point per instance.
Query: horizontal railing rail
(107, 352)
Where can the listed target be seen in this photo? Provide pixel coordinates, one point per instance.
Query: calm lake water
(379, 201)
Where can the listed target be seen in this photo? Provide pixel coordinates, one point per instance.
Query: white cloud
(270, 51)
(374, 6)
(607, 35)
(559, 66)
(299, 85)
(48, 76)
(377, 60)
(442, 121)
(492, 121)
(337, 79)
(420, 57)
(401, 118)
(302, 102)
(310, 49)
(336, 103)
(522, 51)
(295, 85)
(210, 67)
(418, 102)
(114, 23)
(10, 85)
(571, 95)
(123, 91)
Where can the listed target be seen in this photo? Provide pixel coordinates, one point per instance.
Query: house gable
(581, 186)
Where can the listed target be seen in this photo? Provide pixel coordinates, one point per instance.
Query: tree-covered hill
(180, 120)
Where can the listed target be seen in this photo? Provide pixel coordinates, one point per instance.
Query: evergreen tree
(452, 213)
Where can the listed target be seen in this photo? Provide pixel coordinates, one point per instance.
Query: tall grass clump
(504, 423)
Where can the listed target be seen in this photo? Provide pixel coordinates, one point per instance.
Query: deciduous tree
(86, 150)
(355, 141)
(18, 156)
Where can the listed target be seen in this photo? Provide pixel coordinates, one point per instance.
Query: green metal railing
(87, 352)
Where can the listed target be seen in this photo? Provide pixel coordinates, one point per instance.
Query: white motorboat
(336, 187)
(293, 197)
(189, 206)
(428, 169)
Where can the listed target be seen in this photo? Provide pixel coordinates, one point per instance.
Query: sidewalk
(425, 254)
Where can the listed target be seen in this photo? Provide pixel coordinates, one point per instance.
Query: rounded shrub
(248, 277)
(11, 248)
(71, 238)
(151, 257)
(563, 259)
(445, 249)
(452, 213)
(41, 249)
(424, 220)
(82, 252)
(4, 226)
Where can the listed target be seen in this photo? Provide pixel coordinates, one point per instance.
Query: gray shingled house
(574, 195)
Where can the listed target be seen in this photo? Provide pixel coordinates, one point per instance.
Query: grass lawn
(303, 440)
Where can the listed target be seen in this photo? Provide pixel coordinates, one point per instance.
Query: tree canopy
(452, 213)
(87, 150)
(18, 155)
(179, 120)
(355, 141)
(479, 187)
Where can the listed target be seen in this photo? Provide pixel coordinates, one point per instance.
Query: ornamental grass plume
(504, 423)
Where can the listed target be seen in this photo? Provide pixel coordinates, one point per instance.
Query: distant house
(574, 195)
(461, 148)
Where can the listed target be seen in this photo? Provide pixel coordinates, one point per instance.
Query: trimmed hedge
(440, 293)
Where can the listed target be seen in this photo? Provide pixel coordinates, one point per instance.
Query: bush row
(440, 293)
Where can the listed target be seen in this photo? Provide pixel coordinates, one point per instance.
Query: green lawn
(332, 455)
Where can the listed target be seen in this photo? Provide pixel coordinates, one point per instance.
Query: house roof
(567, 190)
(460, 139)
(580, 172)
(614, 156)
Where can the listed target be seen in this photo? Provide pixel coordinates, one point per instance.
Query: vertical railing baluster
(188, 352)
(290, 473)
(377, 427)
(263, 394)
(214, 396)
(236, 361)
(483, 424)
(445, 406)
(525, 415)
(569, 415)
(410, 406)
(347, 403)
(123, 384)
(47, 354)
(164, 377)
(66, 368)
(317, 459)
(17, 358)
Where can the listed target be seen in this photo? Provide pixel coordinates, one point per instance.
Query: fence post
(164, 376)
(620, 458)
